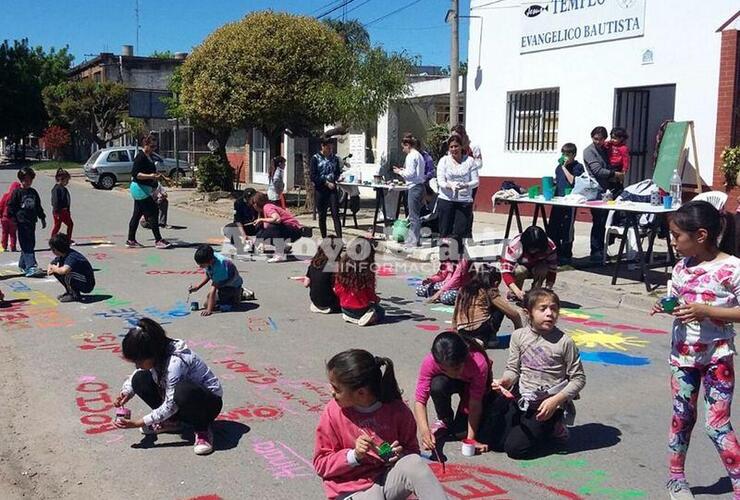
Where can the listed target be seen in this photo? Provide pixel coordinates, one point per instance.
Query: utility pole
(454, 18)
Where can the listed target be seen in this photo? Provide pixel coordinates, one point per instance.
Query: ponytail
(357, 368)
(389, 390)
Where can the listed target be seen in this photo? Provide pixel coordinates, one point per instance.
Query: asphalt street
(62, 367)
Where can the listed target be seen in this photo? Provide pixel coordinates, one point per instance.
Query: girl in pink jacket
(366, 445)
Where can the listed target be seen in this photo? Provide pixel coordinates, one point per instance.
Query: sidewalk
(582, 280)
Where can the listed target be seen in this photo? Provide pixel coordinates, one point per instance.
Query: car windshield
(94, 157)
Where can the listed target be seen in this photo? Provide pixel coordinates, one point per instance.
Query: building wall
(686, 48)
(727, 104)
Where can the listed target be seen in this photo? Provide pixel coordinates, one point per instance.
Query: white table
(380, 193)
(632, 210)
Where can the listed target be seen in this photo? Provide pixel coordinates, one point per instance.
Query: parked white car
(108, 166)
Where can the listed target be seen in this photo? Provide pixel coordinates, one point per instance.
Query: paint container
(669, 303)
(468, 447)
(194, 306)
(123, 413)
(385, 451)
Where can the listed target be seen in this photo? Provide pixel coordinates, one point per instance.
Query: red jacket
(355, 299)
(6, 198)
(619, 156)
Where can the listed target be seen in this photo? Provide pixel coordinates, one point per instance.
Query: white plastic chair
(716, 198)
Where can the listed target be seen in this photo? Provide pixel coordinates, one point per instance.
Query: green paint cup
(669, 303)
(568, 190)
(533, 191)
(385, 451)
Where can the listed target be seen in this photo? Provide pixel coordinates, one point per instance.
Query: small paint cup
(568, 190)
(667, 201)
(669, 303)
(468, 448)
(533, 191)
(194, 306)
(123, 413)
(385, 451)
(548, 193)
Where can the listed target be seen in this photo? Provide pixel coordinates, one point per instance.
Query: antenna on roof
(136, 12)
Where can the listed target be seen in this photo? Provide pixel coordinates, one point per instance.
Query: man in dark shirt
(596, 161)
(71, 268)
(325, 172)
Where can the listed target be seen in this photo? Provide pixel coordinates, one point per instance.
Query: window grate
(532, 120)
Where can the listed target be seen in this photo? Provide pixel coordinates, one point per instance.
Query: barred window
(532, 120)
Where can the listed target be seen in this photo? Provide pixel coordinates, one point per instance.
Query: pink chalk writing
(250, 374)
(252, 412)
(282, 461)
(96, 404)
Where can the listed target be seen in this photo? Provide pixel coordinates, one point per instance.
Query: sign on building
(554, 24)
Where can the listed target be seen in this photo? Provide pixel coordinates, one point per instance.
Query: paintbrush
(436, 454)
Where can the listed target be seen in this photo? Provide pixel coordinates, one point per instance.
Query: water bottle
(676, 189)
(655, 196)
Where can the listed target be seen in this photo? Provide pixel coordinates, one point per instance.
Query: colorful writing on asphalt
(167, 272)
(31, 309)
(131, 316)
(252, 412)
(466, 482)
(593, 319)
(104, 342)
(96, 405)
(282, 461)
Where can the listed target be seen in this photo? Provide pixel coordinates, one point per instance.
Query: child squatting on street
(705, 293)
(226, 283)
(71, 268)
(173, 381)
(366, 445)
(543, 376)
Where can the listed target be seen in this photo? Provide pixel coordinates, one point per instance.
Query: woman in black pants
(185, 391)
(144, 178)
(457, 176)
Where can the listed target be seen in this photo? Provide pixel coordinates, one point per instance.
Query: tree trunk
(310, 197)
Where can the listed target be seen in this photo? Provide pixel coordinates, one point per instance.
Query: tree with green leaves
(24, 72)
(277, 72)
(97, 110)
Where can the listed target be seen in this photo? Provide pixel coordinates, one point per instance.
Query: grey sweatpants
(410, 475)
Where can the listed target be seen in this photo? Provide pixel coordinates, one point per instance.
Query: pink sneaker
(203, 442)
(163, 244)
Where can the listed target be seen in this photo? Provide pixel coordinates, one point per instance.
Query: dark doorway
(641, 110)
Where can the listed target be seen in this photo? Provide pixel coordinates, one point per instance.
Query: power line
(343, 4)
(357, 6)
(325, 6)
(392, 12)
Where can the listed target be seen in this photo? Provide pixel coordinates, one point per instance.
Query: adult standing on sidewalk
(596, 162)
(325, 172)
(457, 176)
(413, 174)
(144, 178)
(469, 149)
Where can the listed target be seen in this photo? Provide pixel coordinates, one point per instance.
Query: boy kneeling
(71, 268)
(226, 288)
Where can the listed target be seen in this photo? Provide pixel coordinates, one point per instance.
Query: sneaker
(679, 489)
(259, 248)
(133, 244)
(32, 272)
(369, 318)
(560, 433)
(162, 244)
(68, 297)
(162, 427)
(203, 442)
(439, 429)
(315, 309)
(277, 258)
(248, 294)
(72, 243)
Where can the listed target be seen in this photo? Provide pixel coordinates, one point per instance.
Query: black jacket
(25, 206)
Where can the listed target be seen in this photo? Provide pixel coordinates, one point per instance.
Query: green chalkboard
(671, 153)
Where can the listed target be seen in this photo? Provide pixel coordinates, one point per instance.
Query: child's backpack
(430, 171)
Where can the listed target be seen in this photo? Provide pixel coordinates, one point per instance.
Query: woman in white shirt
(413, 174)
(277, 185)
(457, 176)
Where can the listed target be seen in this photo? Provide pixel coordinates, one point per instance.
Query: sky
(89, 27)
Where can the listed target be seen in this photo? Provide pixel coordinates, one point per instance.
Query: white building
(546, 73)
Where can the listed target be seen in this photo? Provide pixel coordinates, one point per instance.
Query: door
(641, 111)
(260, 157)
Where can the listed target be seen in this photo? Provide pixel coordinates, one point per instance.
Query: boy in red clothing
(619, 153)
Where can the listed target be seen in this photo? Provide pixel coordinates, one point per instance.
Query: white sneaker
(163, 427)
(277, 258)
(368, 318)
(315, 309)
(203, 442)
(679, 489)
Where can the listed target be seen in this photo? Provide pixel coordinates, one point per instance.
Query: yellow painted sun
(601, 339)
(574, 314)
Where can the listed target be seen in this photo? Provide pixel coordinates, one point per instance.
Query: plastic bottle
(655, 196)
(676, 189)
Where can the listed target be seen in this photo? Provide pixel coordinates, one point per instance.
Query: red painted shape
(468, 482)
(206, 497)
(427, 327)
(652, 331)
(386, 270)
